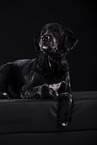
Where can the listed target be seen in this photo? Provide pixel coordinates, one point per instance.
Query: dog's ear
(69, 40)
(36, 42)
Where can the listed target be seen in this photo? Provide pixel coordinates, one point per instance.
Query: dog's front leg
(39, 92)
(65, 108)
(32, 92)
(65, 102)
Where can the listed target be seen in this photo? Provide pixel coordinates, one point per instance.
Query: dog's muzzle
(48, 43)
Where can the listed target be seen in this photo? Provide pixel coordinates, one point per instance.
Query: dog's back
(13, 76)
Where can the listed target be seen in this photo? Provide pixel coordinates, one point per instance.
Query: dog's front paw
(64, 118)
(65, 124)
(65, 109)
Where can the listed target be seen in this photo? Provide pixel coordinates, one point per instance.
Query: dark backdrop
(20, 22)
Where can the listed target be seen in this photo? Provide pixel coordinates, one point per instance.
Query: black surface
(18, 116)
(26, 121)
(67, 138)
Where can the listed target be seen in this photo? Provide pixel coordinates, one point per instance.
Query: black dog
(46, 76)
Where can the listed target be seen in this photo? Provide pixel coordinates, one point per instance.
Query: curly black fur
(46, 76)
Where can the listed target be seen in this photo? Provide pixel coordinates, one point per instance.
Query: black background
(20, 22)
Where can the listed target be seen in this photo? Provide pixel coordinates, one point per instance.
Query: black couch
(28, 122)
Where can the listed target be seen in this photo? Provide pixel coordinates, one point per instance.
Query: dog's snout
(48, 43)
(46, 38)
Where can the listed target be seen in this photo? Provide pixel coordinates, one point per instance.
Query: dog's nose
(46, 38)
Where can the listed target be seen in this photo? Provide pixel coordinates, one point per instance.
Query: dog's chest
(55, 87)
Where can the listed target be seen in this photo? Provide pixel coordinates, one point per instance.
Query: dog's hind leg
(4, 95)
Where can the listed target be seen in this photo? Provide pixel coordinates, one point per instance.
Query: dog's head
(53, 38)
